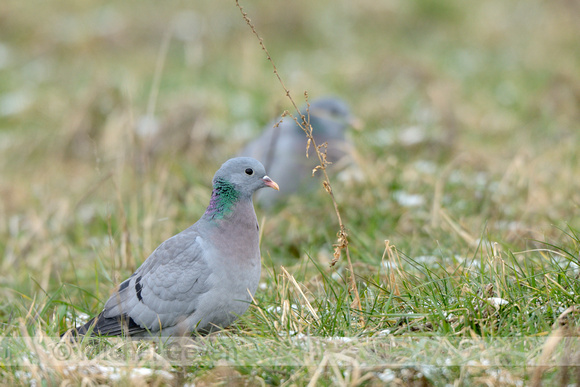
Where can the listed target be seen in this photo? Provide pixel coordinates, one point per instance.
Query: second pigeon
(281, 148)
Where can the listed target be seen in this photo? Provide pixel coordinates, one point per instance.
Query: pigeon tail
(109, 326)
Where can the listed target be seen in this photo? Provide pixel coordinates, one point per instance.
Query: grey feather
(281, 148)
(200, 279)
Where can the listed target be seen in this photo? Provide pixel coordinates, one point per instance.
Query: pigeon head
(331, 110)
(245, 174)
(236, 180)
(332, 107)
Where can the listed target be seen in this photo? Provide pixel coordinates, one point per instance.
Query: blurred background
(115, 115)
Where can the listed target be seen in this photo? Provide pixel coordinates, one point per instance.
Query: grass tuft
(462, 214)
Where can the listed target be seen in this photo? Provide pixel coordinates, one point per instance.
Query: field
(462, 206)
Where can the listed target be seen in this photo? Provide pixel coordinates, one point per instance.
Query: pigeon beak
(270, 183)
(356, 123)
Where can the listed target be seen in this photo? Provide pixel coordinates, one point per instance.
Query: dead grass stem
(320, 149)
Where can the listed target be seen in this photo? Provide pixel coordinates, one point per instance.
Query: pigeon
(201, 279)
(282, 147)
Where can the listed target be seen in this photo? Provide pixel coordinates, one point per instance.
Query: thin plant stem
(304, 123)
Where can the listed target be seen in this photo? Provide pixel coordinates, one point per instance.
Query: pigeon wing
(161, 293)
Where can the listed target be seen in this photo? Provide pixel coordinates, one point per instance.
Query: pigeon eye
(249, 171)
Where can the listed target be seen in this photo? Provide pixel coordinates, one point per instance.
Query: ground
(461, 207)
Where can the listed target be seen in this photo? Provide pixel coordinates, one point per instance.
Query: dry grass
(302, 119)
(113, 118)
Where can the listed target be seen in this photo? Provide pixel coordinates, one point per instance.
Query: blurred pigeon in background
(282, 148)
(201, 279)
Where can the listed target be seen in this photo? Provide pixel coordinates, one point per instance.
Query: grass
(463, 224)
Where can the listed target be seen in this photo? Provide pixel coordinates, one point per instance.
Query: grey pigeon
(201, 279)
(282, 148)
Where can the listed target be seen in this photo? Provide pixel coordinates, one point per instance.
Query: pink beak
(270, 183)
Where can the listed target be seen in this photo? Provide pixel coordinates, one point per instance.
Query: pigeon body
(281, 148)
(201, 279)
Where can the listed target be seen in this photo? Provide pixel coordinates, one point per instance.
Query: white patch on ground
(497, 302)
(383, 137)
(278, 309)
(426, 166)
(15, 102)
(340, 338)
(412, 135)
(425, 259)
(389, 265)
(26, 377)
(5, 56)
(81, 318)
(387, 375)
(147, 126)
(351, 174)
(406, 199)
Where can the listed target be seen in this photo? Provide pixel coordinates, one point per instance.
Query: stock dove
(201, 279)
(281, 148)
